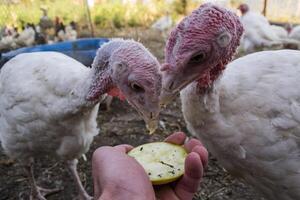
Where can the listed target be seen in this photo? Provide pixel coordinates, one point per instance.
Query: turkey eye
(197, 58)
(137, 88)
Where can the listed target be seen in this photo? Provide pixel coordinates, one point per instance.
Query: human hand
(186, 187)
(118, 176)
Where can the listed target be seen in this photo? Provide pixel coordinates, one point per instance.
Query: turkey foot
(39, 193)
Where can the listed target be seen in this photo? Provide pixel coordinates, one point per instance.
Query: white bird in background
(281, 32)
(259, 33)
(8, 39)
(67, 34)
(8, 42)
(295, 33)
(247, 114)
(26, 37)
(164, 23)
(49, 102)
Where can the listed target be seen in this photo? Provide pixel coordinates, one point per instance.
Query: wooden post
(265, 7)
(89, 18)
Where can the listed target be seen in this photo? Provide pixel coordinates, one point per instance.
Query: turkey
(280, 31)
(295, 33)
(27, 36)
(259, 33)
(164, 23)
(45, 22)
(49, 101)
(247, 115)
(8, 39)
(67, 33)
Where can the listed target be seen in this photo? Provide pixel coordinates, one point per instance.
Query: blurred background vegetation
(128, 13)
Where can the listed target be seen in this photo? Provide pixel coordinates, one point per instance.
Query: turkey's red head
(244, 8)
(199, 48)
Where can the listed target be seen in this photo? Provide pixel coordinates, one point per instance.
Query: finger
(124, 148)
(176, 138)
(203, 153)
(189, 145)
(189, 183)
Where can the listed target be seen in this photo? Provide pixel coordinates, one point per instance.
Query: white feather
(42, 107)
(250, 120)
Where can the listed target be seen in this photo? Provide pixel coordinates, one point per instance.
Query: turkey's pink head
(134, 73)
(288, 27)
(199, 48)
(244, 8)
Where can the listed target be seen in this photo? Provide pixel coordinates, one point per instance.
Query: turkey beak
(166, 97)
(152, 125)
(172, 84)
(151, 120)
(150, 115)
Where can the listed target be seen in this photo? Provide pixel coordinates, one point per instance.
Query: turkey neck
(209, 100)
(100, 83)
(90, 90)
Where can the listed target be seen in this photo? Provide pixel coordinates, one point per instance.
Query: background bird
(27, 36)
(247, 115)
(295, 33)
(49, 102)
(164, 23)
(281, 32)
(66, 33)
(8, 39)
(259, 33)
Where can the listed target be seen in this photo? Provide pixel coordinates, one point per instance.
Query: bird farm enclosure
(78, 28)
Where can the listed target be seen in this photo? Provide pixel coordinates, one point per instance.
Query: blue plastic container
(83, 50)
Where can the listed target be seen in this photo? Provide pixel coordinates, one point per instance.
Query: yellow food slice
(162, 161)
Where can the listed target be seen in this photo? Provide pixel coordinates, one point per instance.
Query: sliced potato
(162, 161)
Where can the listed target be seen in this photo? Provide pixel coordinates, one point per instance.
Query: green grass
(29, 11)
(107, 14)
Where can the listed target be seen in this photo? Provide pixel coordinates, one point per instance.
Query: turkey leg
(72, 165)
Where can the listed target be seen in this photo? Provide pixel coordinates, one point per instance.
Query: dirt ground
(120, 125)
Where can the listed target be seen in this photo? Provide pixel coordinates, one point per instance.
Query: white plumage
(8, 42)
(250, 120)
(295, 33)
(258, 33)
(40, 104)
(26, 37)
(280, 31)
(68, 34)
(164, 23)
(43, 111)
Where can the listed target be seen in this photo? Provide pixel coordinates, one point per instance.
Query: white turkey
(281, 32)
(295, 33)
(8, 39)
(247, 115)
(164, 23)
(27, 36)
(259, 33)
(67, 34)
(49, 101)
